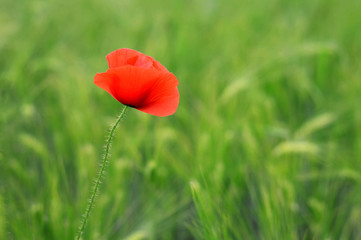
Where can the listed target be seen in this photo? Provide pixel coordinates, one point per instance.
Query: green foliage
(266, 143)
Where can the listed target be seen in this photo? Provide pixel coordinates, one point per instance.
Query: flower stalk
(100, 175)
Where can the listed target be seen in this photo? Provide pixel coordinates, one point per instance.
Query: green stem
(100, 175)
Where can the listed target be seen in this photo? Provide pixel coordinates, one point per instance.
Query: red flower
(139, 81)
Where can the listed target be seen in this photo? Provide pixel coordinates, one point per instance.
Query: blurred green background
(266, 142)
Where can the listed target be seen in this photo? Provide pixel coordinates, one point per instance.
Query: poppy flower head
(139, 81)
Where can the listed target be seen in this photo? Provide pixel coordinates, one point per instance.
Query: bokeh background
(266, 142)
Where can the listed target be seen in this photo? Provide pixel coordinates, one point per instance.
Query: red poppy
(139, 81)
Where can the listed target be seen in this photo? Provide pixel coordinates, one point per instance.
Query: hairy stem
(100, 175)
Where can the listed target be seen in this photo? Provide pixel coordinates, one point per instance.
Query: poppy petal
(147, 90)
(159, 66)
(165, 105)
(141, 61)
(120, 57)
(132, 57)
(106, 81)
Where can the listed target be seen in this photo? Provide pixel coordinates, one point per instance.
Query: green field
(265, 144)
